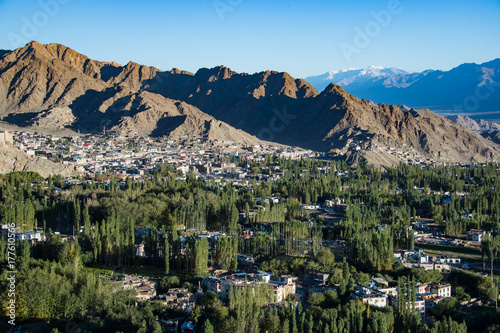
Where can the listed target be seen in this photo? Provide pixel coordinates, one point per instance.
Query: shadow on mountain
(109, 71)
(20, 119)
(168, 124)
(3, 53)
(86, 109)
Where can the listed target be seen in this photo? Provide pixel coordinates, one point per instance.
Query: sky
(303, 38)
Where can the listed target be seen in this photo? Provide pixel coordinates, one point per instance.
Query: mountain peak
(335, 89)
(216, 73)
(33, 44)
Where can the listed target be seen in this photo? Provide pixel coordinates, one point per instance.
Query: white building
(370, 297)
(476, 235)
(441, 289)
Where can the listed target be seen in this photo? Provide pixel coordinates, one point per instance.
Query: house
(282, 287)
(443, 268)
(389, 291)
(431, 302)
(146, 289)
(419, 305)
(316, 278)
(310, 206)
(212, 284)
(452, 261)
(31, 235)
(475, 235)
(370, 297)
(421, 288)
(178, 298)
(379, 281)
(441, 289)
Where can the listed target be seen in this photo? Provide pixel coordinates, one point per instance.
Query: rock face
(54, 86)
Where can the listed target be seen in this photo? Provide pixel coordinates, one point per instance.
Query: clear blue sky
(300, 37)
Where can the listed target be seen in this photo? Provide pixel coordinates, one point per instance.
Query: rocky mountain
(476, 125)
(54, 86)
(276, 107)
(472, 88)
(493, 136)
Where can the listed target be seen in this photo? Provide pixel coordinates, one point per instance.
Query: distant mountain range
(52, 86)
(475, 125)
(469, 89)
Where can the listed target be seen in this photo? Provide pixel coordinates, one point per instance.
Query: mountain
(493, 136)
(353, 76)
(476, 125)
(52, 86)
(469, 88)
(276, 107)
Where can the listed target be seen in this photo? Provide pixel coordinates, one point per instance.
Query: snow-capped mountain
(469, 89)
(345, 77)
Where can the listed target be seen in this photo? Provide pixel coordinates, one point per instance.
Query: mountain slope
(471, 88)
(52, 85)
(475, 125)
(276, 107)
(14, 159)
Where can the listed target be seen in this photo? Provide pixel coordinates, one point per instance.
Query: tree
(201, 257)
(207, 327)
(166, 253)
(447, 325)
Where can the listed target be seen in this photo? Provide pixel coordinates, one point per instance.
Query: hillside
(14, 159)
(53, 87)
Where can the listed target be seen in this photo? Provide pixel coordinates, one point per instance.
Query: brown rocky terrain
(39, 84)
(14, 159)
(53, 87)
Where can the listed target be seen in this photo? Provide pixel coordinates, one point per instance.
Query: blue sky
(299, 37)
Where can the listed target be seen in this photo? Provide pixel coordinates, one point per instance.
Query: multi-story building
(370, 297)
(441, 289)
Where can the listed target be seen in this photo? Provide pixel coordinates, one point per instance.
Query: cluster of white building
(281, 286)
(378, 293)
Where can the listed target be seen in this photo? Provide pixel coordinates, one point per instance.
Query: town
(187, 229)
